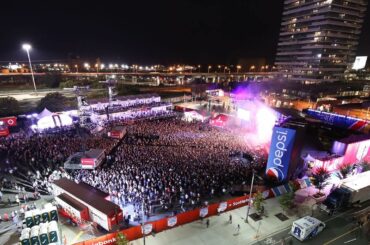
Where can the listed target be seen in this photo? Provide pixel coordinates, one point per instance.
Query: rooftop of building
(124, 98)
(93, 153)
(355, 138)
(88, 195)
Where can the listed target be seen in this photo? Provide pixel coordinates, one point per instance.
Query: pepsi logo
(275, 173)
(172, 221)
(203, 212)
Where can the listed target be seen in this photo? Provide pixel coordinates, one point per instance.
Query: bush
(319, 178)
(121, 239)
(258, 202)
(9, 106)
(53, 102)
(287, 201)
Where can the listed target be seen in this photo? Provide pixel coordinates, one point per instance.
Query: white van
(306, 228)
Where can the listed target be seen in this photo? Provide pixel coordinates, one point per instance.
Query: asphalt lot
(340, 229)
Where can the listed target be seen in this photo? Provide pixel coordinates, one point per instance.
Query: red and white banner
(9, 121)
(88, 161)
(172, 221)
(147, 229)
(203, 212)
(4, 132)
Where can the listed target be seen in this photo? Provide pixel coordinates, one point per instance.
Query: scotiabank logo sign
(111, 241)
(280, 151)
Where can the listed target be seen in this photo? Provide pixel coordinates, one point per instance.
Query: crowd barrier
(137, 232)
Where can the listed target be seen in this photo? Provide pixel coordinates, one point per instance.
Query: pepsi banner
(282, 142)
(340, 121)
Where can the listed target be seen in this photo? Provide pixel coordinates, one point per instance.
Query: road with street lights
(340, 229)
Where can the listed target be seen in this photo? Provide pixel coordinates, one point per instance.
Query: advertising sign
(222, 207)
(360, 63)
(4, 131)
(172, 221)
(9, 121)
(337, 120)
(203, 212)
(88, 163)
(280, 152)
(147, 229)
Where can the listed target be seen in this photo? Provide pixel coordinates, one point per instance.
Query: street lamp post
(209, 67)
(238, 67)
(250, 194)
(250, 198)
(27, 47)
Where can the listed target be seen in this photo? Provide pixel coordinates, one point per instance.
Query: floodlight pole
(27, 47)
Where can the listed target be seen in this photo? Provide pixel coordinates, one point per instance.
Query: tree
(121, 239)
(287, 200)
(258, 202)
(53, 102)
(319, 178)
(365, 166)
(345, 169)
(9, 106)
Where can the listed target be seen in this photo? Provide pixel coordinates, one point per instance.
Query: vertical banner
(282, 142)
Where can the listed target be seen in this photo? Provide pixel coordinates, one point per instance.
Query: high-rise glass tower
(318, 39)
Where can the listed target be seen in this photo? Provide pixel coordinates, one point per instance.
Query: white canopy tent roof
(44, 113)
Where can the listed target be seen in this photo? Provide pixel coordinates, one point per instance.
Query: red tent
(220, 120)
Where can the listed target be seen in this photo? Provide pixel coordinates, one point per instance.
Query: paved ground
(270, 230)
(340, 229)
(221, 232)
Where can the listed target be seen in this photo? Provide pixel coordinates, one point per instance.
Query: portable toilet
(26, 231)
(36, 216)
(25, 238)
(43, 234)
(53, 212)
(45, 217)
(29, 219)
(35, 235)
(48, 205)
(53, 231)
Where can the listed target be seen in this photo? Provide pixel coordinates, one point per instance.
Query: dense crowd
(164, 163)
(31, 160)
(171, 164)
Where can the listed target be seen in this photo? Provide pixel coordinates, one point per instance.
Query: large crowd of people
(30, 160)
(171, 164)
(163, 163)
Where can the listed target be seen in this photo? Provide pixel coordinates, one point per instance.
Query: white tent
(44, 113)
(54, 120)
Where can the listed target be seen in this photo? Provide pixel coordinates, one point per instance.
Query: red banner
(134, 233)
(9, 121)
(88, 161)
(4, 132)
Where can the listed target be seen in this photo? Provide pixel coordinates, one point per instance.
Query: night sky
(146, 31)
